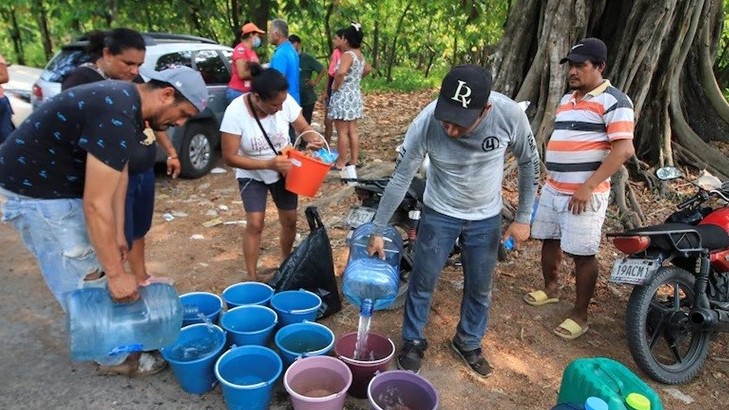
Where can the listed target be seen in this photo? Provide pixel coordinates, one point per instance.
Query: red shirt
(241, 52)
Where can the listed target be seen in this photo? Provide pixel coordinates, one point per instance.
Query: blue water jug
(103, 330)
(369, 277)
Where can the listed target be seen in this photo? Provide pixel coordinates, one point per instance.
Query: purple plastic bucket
(376, 357)
(318, 383)
(401, 389)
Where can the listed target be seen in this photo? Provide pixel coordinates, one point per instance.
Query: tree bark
(42, 19)
(393, 48)
(17, 39)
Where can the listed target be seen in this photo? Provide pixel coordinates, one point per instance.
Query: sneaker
(475, 360)
(411, 355)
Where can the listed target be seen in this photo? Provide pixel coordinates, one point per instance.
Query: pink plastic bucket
(318, 383)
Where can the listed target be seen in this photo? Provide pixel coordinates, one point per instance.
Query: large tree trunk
(42, 19)
(660, 53)
(17, 39)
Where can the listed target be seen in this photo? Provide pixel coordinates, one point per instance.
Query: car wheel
(197, 155)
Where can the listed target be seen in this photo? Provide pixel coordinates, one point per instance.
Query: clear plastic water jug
(102, 330)
(369, 277)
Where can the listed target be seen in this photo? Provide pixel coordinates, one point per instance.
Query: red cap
(251, 28)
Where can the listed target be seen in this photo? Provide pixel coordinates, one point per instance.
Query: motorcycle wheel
(656, 325)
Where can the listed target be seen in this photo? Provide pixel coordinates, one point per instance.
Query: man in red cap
(243, 58)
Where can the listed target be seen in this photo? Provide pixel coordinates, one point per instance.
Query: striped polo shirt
(583, 132)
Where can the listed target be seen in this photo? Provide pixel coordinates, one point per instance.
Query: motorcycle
(405, 219)
(680, 273)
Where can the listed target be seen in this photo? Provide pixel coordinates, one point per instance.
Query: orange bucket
(307, 174)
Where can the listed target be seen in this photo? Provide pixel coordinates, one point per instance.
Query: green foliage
(431, 35)
(404, 79)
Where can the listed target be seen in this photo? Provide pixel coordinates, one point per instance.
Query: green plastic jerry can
(604, 378)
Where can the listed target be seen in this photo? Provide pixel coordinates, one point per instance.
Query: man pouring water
(465, 133)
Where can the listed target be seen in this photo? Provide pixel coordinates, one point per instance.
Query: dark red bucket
(377, 357)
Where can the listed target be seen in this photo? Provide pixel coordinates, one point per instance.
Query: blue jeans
(6, 119)
(54, 231)
(139, 206)
(437, 233)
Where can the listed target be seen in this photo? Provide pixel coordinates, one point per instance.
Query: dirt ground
(527, 357)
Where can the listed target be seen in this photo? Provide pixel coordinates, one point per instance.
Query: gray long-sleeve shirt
(466, 173)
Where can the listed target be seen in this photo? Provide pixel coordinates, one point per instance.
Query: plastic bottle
(369, 277)
(509, 242)
(637, 401)
(102, 330)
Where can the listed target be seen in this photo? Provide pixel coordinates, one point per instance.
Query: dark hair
(95, 48)
(339, 33)
(119, 39)
(116, 40)
(295, 39)
(268, 83)
(157, 85)
(353, 35)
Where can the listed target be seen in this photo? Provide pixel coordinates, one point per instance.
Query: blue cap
(595, 403)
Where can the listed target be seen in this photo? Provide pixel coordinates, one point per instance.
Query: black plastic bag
(311, 266)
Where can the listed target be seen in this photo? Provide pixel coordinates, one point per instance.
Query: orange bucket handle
(296, 143)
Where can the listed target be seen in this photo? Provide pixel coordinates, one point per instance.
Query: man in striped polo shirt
(592, 138)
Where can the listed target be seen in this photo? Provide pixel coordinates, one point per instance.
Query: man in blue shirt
(285, 58)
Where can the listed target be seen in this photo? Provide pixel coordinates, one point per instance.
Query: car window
(63, 63)
(228, 55)
(211, 67)
(174, 60)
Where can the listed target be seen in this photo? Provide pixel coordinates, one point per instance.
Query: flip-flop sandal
(147, 364)
(538, 298)
(574, 329)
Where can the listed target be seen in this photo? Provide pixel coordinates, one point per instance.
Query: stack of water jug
(370, 282)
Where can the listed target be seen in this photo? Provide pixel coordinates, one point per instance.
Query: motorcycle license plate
(633, 271)
(359, 215)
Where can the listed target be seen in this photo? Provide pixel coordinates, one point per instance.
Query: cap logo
(576, 46)
(462, 93)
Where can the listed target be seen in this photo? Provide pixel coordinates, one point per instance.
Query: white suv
(197, 140)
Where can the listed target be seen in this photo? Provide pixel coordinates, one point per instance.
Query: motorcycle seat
(712, 236)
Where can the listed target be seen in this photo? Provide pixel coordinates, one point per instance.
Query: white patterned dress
(346, 103)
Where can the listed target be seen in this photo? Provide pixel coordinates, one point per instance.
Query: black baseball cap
(590, 48)
(463, 95)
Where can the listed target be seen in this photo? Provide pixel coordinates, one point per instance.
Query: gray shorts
(578, 234)
(253, 193)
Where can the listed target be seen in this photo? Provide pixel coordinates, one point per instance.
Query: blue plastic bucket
(303, 340)
(247, 293)
(295, 306)
(247, 375)
(249, 325)
(192, 356)
(209, 304)
(318, 383)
